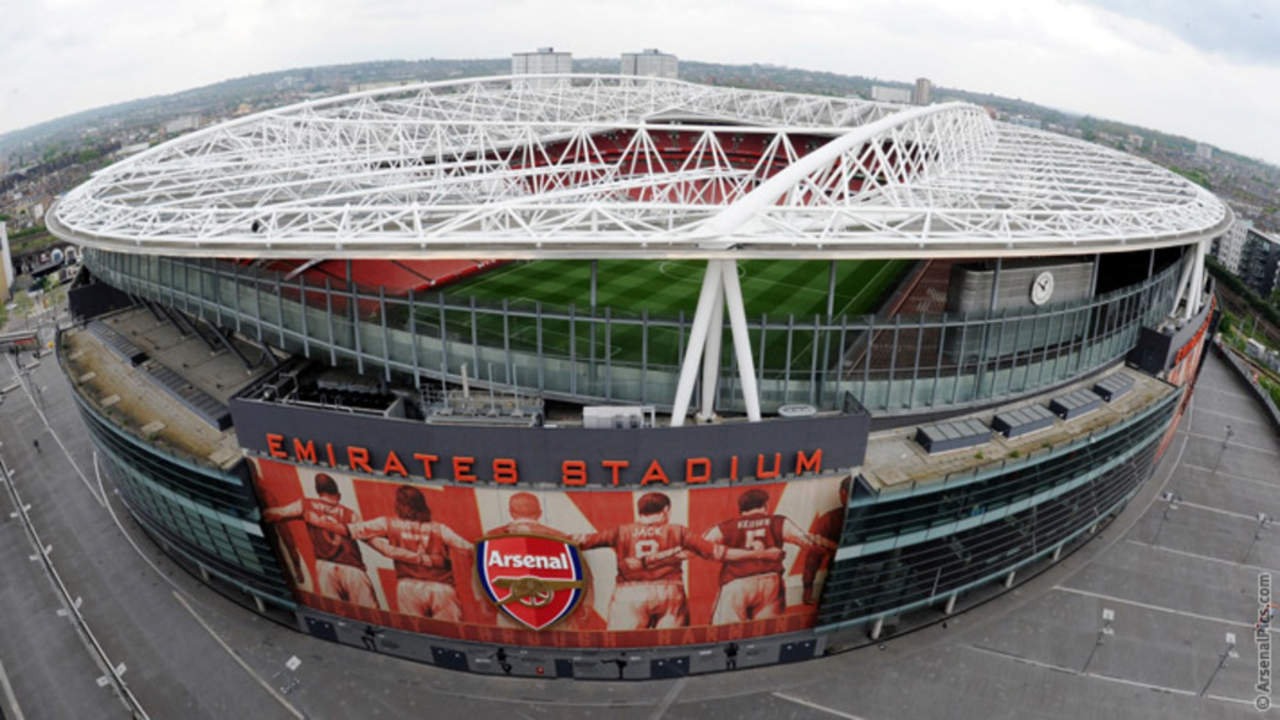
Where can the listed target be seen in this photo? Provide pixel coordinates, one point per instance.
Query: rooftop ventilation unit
(1013, 423)
(952, 435)
(1074, 404)
(1113, 386)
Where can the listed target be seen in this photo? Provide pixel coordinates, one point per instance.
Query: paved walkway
(1176, 582)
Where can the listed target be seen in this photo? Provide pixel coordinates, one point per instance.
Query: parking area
(1174, 574)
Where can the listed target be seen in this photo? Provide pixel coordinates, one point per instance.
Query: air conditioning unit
(617, 417)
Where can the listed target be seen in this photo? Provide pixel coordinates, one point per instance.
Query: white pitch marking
(239, 660)
(1156, 608)
(56, 438)
(816, 706)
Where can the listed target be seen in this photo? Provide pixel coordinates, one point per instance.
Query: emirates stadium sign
(536, 580)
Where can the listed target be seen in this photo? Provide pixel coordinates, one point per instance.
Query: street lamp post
(1172, 499)
(1229, 652)
(1263, 521)
(1108, 616)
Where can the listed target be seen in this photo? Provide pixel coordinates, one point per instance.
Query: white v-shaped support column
(720, 288)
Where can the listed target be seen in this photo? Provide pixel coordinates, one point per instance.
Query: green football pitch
(664, 288)
(776, 288)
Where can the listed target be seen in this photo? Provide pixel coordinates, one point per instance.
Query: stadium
(603, 376)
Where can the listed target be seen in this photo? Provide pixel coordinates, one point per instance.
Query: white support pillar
(1184, 277)
(741, 340)
(711, 354)
(1197, 282)
(720, 288)
(697, 340)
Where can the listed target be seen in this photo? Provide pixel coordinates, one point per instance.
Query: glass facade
(208, 517)
(892, 366)
(907, 550)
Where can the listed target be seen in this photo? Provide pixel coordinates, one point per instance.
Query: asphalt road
(1175, 580)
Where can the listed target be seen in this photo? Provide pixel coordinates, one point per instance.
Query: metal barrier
(1243, 371)
(113, 675)
(606, 355)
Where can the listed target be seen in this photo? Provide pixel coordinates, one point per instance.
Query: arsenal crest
(535, 579)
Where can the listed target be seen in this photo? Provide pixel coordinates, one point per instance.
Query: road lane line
(56, 438)
(9, 697)
(1156, 608)
(239, 660)
(816, 706)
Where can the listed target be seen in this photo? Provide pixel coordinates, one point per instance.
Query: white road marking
(1155, 608)
(10, 699)
(239, 660)
(1220, 511)
(1235, 418)
(98, 474)
(667, 699)
(816, 706)
(1198, 556)
(57, 438)
(1219, 438)
(1100, 676)
(1233, 476)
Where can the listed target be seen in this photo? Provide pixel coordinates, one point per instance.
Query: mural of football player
(526, 518)
(753, 588)
(827, 525)
(419, 549)
(650, 592)
(340, 571)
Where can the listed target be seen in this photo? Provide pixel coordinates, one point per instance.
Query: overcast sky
(1208, 69)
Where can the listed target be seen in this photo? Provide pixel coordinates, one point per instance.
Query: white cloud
(62, 56)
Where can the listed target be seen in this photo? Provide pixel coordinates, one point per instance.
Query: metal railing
(891, 365)
(112, 673)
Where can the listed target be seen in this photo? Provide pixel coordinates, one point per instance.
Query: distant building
(133, 149)
(1227, 248)
(546, 61)
(182, 124)
(361, 87)
(923, 94)
(650, 63)
(1259, 262)
(1024, 121)
(882, 93)
(1204, 151)
(1135, 141)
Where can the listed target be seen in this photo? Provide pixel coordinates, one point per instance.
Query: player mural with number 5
(753, 588)
(650, 592)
